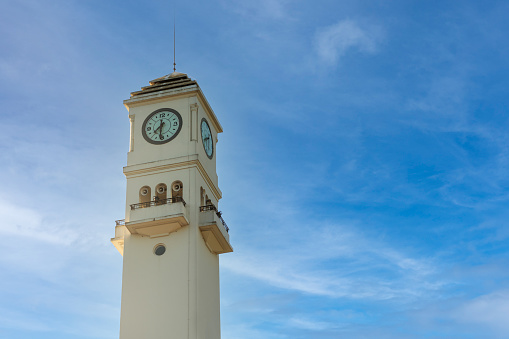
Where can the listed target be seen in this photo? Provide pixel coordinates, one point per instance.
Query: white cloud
(248, 331)
(481, 317)
(308, 324)
(21, 221)
(489, 310)
(14, 319)
(334, 41)
(337, 262)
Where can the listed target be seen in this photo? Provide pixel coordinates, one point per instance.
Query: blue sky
(364, 162)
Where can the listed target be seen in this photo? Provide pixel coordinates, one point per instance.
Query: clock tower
(173, 232)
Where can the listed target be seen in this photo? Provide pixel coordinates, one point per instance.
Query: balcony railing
(212, 207)
(208, 208)
(120, 222)
(157, 203)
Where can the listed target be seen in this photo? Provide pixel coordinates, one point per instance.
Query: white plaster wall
(208, 293)
(155, 288)
(175, 295)
(144, 151)
(182, 145)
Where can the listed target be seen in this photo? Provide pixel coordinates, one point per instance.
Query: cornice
(210, 111)
(186, 91)
(159, 95)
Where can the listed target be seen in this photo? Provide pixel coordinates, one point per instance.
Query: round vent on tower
(159, 249)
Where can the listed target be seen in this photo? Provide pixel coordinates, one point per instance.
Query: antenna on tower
(174, 64)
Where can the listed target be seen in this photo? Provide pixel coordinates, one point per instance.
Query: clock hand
(160, 125)
(161, 129)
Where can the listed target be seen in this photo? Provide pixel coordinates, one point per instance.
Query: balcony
(118, 241)
(219, 214)
(214, 230)
(157, 218)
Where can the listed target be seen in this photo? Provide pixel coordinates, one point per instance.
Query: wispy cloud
(334, 41)
(22, 221)
(482, 317)
(246, 330)
(338, 261)
(310, 324)
(488, 310)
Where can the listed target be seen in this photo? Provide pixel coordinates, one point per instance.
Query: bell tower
(173, 232)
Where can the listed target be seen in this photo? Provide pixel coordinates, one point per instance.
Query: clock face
(162, 126)
(206, 138)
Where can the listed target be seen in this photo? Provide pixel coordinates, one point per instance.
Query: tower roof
(165, 86)
(170, 81)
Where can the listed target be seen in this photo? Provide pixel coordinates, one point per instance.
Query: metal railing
(157, 203)
(120, 222)
(208, 208)
(223, 222)
(219, 214)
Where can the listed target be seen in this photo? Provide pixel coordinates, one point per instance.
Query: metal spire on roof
(174, 64)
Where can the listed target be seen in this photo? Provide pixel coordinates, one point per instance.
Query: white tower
(172, 232)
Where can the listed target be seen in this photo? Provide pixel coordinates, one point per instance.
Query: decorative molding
(187, 91)
(209, 111)
(172, 167)
(131, 142)
(194, 122)
(160, 95)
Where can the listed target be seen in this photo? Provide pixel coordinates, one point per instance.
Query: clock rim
(144, 133)
(203, 141)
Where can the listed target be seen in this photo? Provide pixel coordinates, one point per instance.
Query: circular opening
(159, 250)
